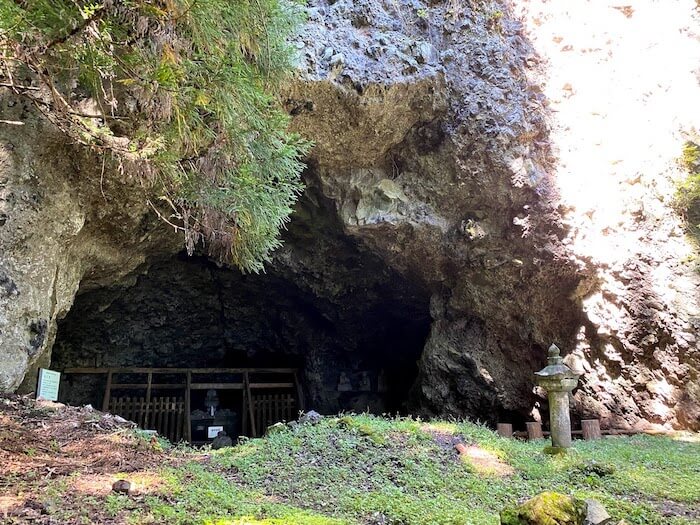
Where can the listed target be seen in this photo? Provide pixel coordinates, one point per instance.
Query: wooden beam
(154, 386)
(271, 385)
(139, 370)
(217, 386)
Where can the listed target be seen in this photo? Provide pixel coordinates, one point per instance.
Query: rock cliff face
(433, 229)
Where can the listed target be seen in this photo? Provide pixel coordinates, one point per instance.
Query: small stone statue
(344, 384)
(365, 382)
(221, 440)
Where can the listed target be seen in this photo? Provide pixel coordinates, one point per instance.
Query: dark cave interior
(356, 349)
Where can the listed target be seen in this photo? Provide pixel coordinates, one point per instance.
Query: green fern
(186, 91)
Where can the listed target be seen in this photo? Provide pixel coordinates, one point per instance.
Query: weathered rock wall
(449, 185)
(63, 225)
(433, 153)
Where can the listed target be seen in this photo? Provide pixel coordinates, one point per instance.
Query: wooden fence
(271, 408)
(171, 416)
(164, 414)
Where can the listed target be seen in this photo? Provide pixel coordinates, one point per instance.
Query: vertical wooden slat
(179, 405)
(146, 417)
(244, 418)
(176, 419)
(188, 416)
(300, 392)
(246, 381)
(163, 416)
(169, 417)
(263, 415)
(108, 392)
(158, 409)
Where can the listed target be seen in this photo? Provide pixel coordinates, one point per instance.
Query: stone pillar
(559, 380)
(559, 419)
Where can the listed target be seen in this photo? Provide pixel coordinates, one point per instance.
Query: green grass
(366, 469)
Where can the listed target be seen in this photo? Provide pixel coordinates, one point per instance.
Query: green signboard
(48, 384)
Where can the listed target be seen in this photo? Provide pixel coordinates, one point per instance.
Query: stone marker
(559, 380)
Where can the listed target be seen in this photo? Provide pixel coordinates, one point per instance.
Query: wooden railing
(258, 411)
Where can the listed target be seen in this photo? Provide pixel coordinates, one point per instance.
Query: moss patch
(548, 508)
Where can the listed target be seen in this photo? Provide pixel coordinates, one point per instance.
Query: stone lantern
(559, 380)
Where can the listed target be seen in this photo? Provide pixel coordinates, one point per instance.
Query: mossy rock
(548, 508)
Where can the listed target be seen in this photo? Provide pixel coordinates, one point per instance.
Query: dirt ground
(77, 452)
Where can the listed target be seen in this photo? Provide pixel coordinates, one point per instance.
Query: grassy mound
(362, 469)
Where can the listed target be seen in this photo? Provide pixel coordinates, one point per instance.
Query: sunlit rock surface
(504, 177)
(622, 81)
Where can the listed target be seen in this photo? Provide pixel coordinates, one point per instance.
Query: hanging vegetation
(180, 92)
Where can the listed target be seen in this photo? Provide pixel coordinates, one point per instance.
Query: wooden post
(188, 417)
(504, 429)
(534, 430)
(590, 428)
(146, 417)
(108, 392)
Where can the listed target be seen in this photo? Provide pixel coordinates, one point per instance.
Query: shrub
(182, 93)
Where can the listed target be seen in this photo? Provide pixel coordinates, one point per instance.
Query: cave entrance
(343, 346)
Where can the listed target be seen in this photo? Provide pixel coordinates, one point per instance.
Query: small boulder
(221, 440)
(596, 513)
(276, 428)
(121, 486)
(310, 418)
(547, 508)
